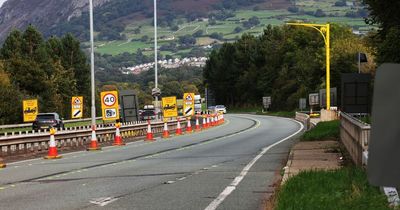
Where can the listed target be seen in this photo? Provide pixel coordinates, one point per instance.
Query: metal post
(359, 62)
(93, 106)
(155, 56)
(328, 69)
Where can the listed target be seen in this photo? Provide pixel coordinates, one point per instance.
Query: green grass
(243, 109)
(344, 189)
(323, 131)
(273, 17)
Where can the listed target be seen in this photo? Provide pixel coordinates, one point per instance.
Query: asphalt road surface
(231, 166)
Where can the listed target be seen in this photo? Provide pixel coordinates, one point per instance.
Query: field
(136, 41)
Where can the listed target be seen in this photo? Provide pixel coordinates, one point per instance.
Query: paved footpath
(315, 155)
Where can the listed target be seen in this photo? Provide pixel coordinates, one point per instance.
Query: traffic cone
(222, 118)
(52, 146)
(217, 119)
(165, 132)
(197, 124)
(149, 136)
(118, 139)
(178, 128)
(204, 123)
(208, 121)
(189, 126)
(94, 146)
(212, 121)
(2, 164)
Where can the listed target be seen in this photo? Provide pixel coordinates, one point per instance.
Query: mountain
(56, 17)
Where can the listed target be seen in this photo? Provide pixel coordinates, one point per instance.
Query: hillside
(62, 16)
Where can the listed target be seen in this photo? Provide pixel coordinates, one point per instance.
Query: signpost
(267, 102)
(30, 109)
(302, 103)
(188, 104)
(170, 108)
(76, 107)
(109, 105)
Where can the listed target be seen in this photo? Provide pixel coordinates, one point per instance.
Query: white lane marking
(103, 201)
(232, 186)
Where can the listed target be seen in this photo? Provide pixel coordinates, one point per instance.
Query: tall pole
(359, 62)
(93, 143)
(155, 43)
(328, 68)
(93, 106)
(155, 56)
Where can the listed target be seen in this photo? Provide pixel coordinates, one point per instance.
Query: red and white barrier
(118, 139)
(52, 146)
(93, 143)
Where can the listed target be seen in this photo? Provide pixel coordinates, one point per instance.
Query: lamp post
(93, 143)
(324, 30)
(156, 91)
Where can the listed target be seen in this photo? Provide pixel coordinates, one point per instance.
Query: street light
(93, 143)
(324, 30)
(156, 91)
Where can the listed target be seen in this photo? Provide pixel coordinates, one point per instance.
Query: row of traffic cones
(208, 121)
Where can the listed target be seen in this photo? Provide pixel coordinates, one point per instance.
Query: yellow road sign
(188, 104)
(170, 108)
(109, 105)
(30, 109)
(76, 107)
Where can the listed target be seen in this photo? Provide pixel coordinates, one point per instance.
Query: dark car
(47, 120)
(148, 114)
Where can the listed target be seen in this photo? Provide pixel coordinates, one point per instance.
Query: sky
(1, 2)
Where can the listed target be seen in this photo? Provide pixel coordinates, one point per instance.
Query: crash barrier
(29, 125)
(304, 118)
(35, 142)
(355, 136)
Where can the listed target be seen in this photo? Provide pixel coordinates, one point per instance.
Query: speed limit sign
(109, 105)
(109, 99)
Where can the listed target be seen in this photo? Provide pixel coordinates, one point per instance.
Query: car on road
(47, 120)
(220, 108)
(148, 114)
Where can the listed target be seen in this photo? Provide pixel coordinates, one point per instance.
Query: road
(228, 167)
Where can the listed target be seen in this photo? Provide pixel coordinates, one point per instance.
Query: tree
(386, 15)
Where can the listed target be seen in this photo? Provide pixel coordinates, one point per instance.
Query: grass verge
(280, 114)
(345, 188)
(323, 131)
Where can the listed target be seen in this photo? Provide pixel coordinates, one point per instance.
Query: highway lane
(185, 172)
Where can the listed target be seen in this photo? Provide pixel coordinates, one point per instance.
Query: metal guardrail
(24, 125)
(33, 142)
(355, 136)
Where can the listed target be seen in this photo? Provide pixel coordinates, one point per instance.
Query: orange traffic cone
(197, 124)
(52, 146)
(118, 138)
(208, 121)
(178, 128)
(93, 143)
(2, 164)
(149, 136)
(165, 131)
(222, 118)
(212, 121)
(204, 123)
(189, 126)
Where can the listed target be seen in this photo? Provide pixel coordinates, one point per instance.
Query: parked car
(220, 108)
(148, 114)
(47, 120)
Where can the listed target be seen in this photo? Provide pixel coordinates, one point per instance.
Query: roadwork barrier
(36, 142)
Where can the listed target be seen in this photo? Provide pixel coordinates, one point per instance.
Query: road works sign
(76, 107)
(188, 104)
(30, 109)
(109, 105)
(170, 108)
